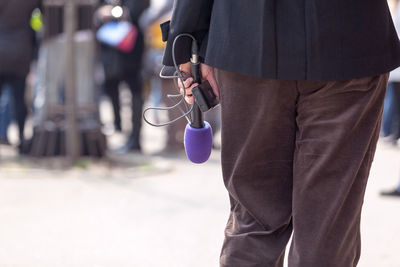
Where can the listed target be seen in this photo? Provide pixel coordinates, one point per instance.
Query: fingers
(186, 83)
(187, 86)
(185, 67)
(188, 95)
(189, 99)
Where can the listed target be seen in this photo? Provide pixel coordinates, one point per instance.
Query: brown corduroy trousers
(296, 157)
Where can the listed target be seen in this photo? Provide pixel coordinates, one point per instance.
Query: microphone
(198, 138)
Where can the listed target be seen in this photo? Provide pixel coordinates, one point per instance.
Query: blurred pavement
(148, 211)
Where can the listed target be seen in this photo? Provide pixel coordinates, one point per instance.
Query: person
(390, 117)
(5, 114)
(120, 66)
(392, 122)
(391, 112)
(16, 51)
(396, 110)
(301, 86)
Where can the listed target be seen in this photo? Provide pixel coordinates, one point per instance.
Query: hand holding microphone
(207, 74)
(198, 133)
(199, 87)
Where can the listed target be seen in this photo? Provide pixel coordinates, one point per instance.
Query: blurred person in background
(391, 112)
(16, 52)
(5, 114)
(391, 122)
(126, 66)
(149, 22)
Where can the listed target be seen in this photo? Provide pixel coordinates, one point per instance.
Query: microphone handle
(197, 115)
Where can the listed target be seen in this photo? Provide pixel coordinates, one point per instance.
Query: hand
(207, 74)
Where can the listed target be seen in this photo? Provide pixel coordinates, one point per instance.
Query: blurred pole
(72, 134)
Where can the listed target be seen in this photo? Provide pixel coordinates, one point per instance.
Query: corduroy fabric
(296, 157)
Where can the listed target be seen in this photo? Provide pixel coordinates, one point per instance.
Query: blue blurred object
(6, 112)
(389, 112)
(119, 34)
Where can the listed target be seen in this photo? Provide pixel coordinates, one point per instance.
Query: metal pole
(72, 135)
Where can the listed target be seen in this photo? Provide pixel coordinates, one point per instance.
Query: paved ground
(148, 211)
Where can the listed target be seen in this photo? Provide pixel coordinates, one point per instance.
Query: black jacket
(16, 45)
(288, 39)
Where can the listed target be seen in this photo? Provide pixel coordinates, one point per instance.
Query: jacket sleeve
(189, 16)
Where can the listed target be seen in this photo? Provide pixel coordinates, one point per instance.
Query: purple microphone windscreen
(198, 143)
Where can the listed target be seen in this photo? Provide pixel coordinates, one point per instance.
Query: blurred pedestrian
(149, 22)
(391, 114)
(16, 51)
(389, 119)
(391, 126)
(301, 85)
(126, 66)
(5, 114)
